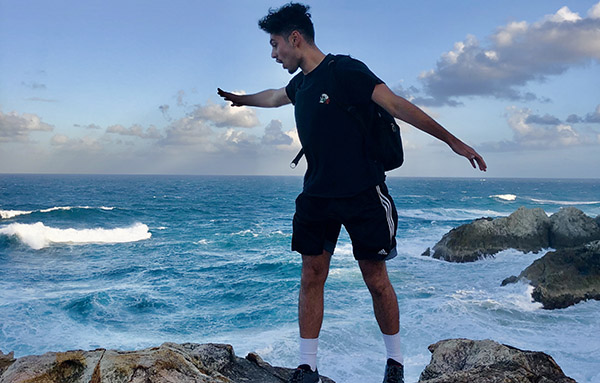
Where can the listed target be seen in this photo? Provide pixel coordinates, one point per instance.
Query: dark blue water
(132, 261)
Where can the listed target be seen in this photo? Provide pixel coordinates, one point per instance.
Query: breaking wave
(6, 214)
(38, 235)
(504, 197)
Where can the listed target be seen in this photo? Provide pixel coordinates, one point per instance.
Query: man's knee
(315, 268)
(376, 277)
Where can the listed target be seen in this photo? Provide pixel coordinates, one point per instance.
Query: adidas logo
(382, 252)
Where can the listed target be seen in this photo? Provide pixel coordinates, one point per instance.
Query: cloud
(164, 109)
(274, 134)
(532, 132)
(189, 131)
(135, 130)
(593, 117)
(84, 144)
(590, 118)
(90, 126)
(227, 116)
(16, 128)
(34, 85)
(517, 53)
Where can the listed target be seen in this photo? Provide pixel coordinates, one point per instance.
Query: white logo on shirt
(324, 99)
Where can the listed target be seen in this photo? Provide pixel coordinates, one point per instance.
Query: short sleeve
(357, 80)
(292, 87)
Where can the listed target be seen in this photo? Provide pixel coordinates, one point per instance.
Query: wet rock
(486, 361)
(171, 362)
(570, 227)
(564, 277)
(525, 230)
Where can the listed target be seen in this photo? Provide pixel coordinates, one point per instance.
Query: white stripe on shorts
(387, 205)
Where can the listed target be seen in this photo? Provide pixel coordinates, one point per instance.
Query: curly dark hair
(290, 17)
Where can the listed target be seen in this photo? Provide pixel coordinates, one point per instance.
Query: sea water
(129, 262)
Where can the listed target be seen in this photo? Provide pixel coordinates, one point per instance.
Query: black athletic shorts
(370, 218)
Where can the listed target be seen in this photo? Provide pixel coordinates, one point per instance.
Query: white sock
(393, 347)
(308, 352)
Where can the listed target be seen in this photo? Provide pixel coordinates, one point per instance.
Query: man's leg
(385, 305)
(310, 305)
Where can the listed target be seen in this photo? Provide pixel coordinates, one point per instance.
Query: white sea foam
(549, 201)
(38, 235)
(504, 197)
(5, 214)
(441, 214)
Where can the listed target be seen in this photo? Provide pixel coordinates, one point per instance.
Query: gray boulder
(171, 362)
(525, 230)
(564, 277)
(486, 361)
(570, 227)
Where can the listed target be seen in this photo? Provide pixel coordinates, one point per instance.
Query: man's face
(284, 52)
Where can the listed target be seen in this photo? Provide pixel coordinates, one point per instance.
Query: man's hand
(236, 100)
(465, 150)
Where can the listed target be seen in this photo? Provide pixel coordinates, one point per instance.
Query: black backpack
(379, 128)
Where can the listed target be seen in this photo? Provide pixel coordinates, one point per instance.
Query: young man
(342, 184)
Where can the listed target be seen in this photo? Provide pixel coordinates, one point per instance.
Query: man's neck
(312, 58)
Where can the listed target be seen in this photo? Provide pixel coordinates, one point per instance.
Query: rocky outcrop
(452, 361)
(570, 227)
(564, 277)
(171, 362)
(486, 361)
(527, 230)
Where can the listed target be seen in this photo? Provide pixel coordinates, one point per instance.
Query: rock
(171, 362)
(486, 361)
(525, 230)
(564, 277)
(6, 361)
(570, 227)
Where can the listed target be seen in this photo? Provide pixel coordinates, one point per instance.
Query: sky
(129, 86)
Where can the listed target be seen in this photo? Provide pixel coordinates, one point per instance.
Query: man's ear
(295, 38)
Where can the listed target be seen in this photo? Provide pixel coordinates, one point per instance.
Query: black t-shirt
(334, 145)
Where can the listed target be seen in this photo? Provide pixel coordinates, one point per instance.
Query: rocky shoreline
(561, 278)
(452, 360)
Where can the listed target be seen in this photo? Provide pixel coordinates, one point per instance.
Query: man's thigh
(314, 229)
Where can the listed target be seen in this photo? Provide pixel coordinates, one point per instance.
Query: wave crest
(38, 235)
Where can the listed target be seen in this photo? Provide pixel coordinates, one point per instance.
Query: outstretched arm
(410, 113)
(270, 98)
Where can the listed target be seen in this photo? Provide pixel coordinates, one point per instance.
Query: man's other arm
(406, 111)
(270, 98)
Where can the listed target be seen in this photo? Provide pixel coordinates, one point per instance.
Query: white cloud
(274, 134)
(189, 131)
(531, 131)
(518, 53)
(16, 128)
(135, 130)
(84, 144)
(227, 116)
(594, 12)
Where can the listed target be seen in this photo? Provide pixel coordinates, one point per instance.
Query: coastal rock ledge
(452, 361)
(486, 361)
(169, 363)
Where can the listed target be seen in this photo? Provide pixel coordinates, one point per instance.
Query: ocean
(128, 262)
